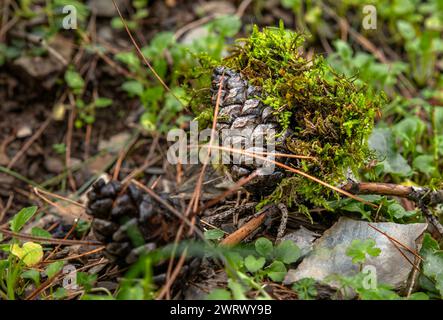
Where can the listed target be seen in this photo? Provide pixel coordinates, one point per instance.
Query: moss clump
(329, 115)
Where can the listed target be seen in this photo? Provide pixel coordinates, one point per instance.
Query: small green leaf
(148, 121)
(32, 274)
(291, 4)
(253, 264)
(39, 232)
(418, 296)
(397, 211)
(429, 245)
(433, 264)
(359, 207)
(439, 283)
(219, 294)
(22, 217)
(383, 143)
(359, 249)
(425, 164)
(305, 288)
(74, 80)
(234, 259)
(131, 293)
(30, 253)
(130, 59)
(276, 271)
(60, 293)
(102, 102)
(287, 252)
(214, 234)
(227, 25)
(133, 88)
(264, 247)
(238, 292)
(86, 280)
(406, 29)
(54, 268)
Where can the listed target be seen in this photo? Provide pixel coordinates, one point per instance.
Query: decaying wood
(249, 227)
(424, 197)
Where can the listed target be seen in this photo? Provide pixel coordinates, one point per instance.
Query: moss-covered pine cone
(247, 122)
(269, 84)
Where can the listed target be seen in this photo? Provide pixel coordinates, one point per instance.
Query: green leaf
(287, 252)
(429, 245)
(148, 121)
(55, 267)
(234, 259)
(22, 217)
(32, 274)
(382, 142)
(227, 25)
(253, 264)
(30, 253)
(133, 88)
(39, 232)
(425, 164)
(419, 296)
(397, 211)
(276, 271)
(359, 249)
(116, 23)
(74, 80)
(343, 49)
(305, 288)
(382, 292)
(60, 293)
(433, 264)
(219, 294)
(135, 292)
(3, 265)
(130, 59)
(238, 292)
(406, 29)
(214, 234)
(359, 207)
(264, 247)
(96, 297)
(86, 280)
(291, 4)
(159, 43)
(102, 102)
(439, 283)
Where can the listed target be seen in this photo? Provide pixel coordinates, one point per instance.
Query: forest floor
(78, 105)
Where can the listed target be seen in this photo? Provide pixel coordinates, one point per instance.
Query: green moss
(330, 116)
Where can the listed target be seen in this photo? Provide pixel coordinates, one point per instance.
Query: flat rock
(329, 254)
(303, 238)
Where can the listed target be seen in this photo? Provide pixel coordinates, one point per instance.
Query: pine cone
(128, 221)
(249, 123)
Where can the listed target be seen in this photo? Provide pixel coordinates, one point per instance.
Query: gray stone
(329, 254)
(303, 238)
